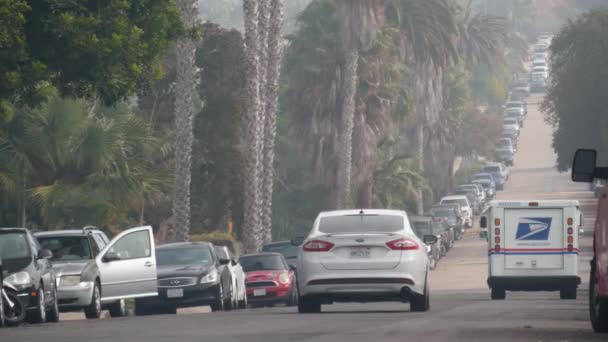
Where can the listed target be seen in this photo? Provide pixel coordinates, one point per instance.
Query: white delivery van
(533, 246)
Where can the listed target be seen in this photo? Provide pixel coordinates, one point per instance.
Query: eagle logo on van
(533, 228)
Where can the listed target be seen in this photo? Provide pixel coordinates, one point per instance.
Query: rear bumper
(552, 283)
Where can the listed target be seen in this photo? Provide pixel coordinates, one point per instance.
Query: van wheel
(567, 293)
(421, 303)
(598, 308)
(498, 293)
(308, 305)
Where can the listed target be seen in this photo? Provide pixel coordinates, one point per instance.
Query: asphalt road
(461, 309)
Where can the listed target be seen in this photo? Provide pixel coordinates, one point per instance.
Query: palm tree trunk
(345, 148)
(420, 142)
(184, 136)
(273, 69)
(254, 131)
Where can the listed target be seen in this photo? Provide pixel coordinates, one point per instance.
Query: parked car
(78, 277)
(478, 196)
(521, 85)
(26, 267)
(499, 173)
(515, 113)
(285, 248)
(511, 134)
(505, 143)
(363, 256)
(474, 201)
(540, 55)
(270, 279)
(189, 274)
(520, 105)
(462, 215)
(505, 155)
(423, 225)
(450, 214)
(465, 205)
(484, 175)
(539, 81)
(239, 290)
(510, 123)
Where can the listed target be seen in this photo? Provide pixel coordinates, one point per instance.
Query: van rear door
(534, 238)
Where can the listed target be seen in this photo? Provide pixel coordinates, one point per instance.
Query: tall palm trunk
(183, 124)
(254, 130)
(347, 118)
(273, 69)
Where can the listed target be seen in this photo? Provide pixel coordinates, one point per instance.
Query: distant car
(505, 143)
(423, 225)
(465, 205)
(451, 216)
(26, 267)
(285, 248)
(516, 114)
(363, 256)
(462, 215)
(540, 48)
(521, 105)
(510, 123)
(474, 201)
(488, 186)
(505, 155)
(499, 173)
(521, 85)
(239, 291)
(539, 82)
(540, 56)
(270, 279)
(485, 176)
(472, 188)
(79, 279)
(189, 274)
(512, 135)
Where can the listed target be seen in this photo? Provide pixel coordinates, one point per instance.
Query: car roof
(451, 197)
(334, 213)
(262, 254)
(418, 218)
(14, 229)
(177, 245)
(66, 232)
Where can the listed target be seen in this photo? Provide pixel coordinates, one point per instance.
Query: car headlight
(71, 280)
(283, 278)
(19, 279)
(211, 277)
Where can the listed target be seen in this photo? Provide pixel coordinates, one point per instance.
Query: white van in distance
(533, 246)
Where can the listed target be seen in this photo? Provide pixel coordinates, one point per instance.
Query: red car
(585, 170)
(269, 279)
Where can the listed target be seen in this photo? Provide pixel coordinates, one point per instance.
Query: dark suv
(27, 268)
(189, 274)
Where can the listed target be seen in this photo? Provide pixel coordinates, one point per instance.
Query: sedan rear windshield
(13, 245)
(183, 256)
(361, 224)
(423, 228)
(288, 250)
(262, 263)
(67, 248)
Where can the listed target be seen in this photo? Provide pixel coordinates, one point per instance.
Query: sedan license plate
(259, 292)
(175, 293)
(360, 252)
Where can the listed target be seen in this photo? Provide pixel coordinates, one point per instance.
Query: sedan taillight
(317, 246)
(403, 245)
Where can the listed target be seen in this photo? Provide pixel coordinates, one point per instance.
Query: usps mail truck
(533, 246)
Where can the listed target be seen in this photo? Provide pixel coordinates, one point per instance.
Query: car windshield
(361, 224)
(492, 169)
(423, 228)
(438, 227)
(288, 250)
(450, 215)
(67, 248)
(461, 201)
(183, 256)
(252, 263)
(514, 105)
(13, 245)
(504, 142)
(510, 122)
(481, 176)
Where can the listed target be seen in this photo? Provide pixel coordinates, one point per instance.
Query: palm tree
(273, 68)
(254, 130)
(360, 22)
(184, 136)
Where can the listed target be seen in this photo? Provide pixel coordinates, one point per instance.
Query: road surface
(461, 309)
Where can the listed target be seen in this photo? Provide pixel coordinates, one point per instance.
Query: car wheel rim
(41, 305)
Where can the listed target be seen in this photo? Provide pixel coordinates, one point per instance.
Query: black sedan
(189, 274)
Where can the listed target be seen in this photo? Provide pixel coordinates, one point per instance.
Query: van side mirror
(583, 167)
(483, 222)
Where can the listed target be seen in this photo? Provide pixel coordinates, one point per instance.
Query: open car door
(127, 265)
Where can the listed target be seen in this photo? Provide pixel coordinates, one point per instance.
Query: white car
(510, 123)
(363, 256)
(465, 206)
(239, 291)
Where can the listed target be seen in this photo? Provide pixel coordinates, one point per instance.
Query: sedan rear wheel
(421, 302)
(308, 305)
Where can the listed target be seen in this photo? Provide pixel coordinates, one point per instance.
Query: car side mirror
(292, 267)
(224, 261)
(429, 239)
(45, 254)
(233, 262)
(583, 167)
(483, 222)
(297, 241)
(483, 235)
(109, 257)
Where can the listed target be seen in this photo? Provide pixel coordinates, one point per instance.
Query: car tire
(218, 304)
(2, 323)
(598, 308)
(568, 293)
(228, 302)
(118, 309)
(498, 293)
(421, 302)
(53, 314)
(39, 314)
(93, 311)
(308, 305)
(293, 297)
